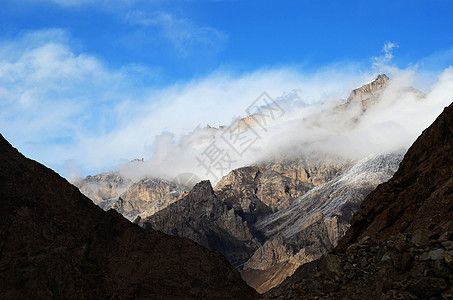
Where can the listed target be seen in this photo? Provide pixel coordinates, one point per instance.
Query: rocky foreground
(56, 243)
(400, 244)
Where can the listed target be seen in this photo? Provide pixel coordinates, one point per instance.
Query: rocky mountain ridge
(315, 222)
(55, 243)
(400, 243)
(141, 198)
(204, 218)
(273, 216)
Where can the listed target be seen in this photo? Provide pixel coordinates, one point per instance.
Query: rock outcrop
(277, 183)
(131, 199)
(55, 243)
(315, 222)
(202, 217)
(103, 188)
(400, 243)
(146, 197)
(369, 93)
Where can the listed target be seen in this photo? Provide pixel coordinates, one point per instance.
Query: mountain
(272, 216)
(130, 198)
(400, 243)
(315, 222)
(204, 218)
(225, 218)
(276, 183)
(55, 243)
(369, 93)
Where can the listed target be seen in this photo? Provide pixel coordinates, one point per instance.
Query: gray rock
(448, 245)
(419, 239)
(446, 236)
(436, 254)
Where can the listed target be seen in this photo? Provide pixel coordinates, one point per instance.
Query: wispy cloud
(69, 109)
(105, 4)
(390, 125)
(386, 57)
(50, 95)
(58, 105)
(184, 34)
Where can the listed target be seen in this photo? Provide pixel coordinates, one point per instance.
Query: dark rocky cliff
(55, 243)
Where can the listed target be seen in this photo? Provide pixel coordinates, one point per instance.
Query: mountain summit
(369, 93)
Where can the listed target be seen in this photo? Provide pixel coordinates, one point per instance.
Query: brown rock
(406, 262)
(330, 265)
(426, 287)
(330, 286)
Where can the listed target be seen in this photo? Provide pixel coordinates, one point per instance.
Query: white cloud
(77, 3)
(386, 57)
(390, 125)
(71, 112)
(184, 35)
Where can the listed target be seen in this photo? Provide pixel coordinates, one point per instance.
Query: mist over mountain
(296, 197)
(400, 244)
(350, 128)
(226, 149)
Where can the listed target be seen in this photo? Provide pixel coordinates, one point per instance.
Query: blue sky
(77, 76)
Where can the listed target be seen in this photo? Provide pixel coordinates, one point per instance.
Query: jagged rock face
(131, 199)
(339, 197)
(316, 221)
(398, 268)
(55, 243)
(202, 217)
(313, 169)
(238, 190)
(147, 197)
(103, 187)
(276, 183)
(400, 244)
(369, 93)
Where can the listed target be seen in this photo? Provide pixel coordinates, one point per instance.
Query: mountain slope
(419, 196)
(314, 222)
(55, 243)
(129, 198)
(400, 244)
(202, 217)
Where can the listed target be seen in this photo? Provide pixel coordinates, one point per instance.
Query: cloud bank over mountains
(73, 112)
(391, 124)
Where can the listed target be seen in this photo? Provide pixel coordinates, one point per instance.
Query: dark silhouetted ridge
(55, 243)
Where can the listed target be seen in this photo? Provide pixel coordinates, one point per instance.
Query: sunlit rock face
(369, 93)
(132, 199)
(315, 222)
